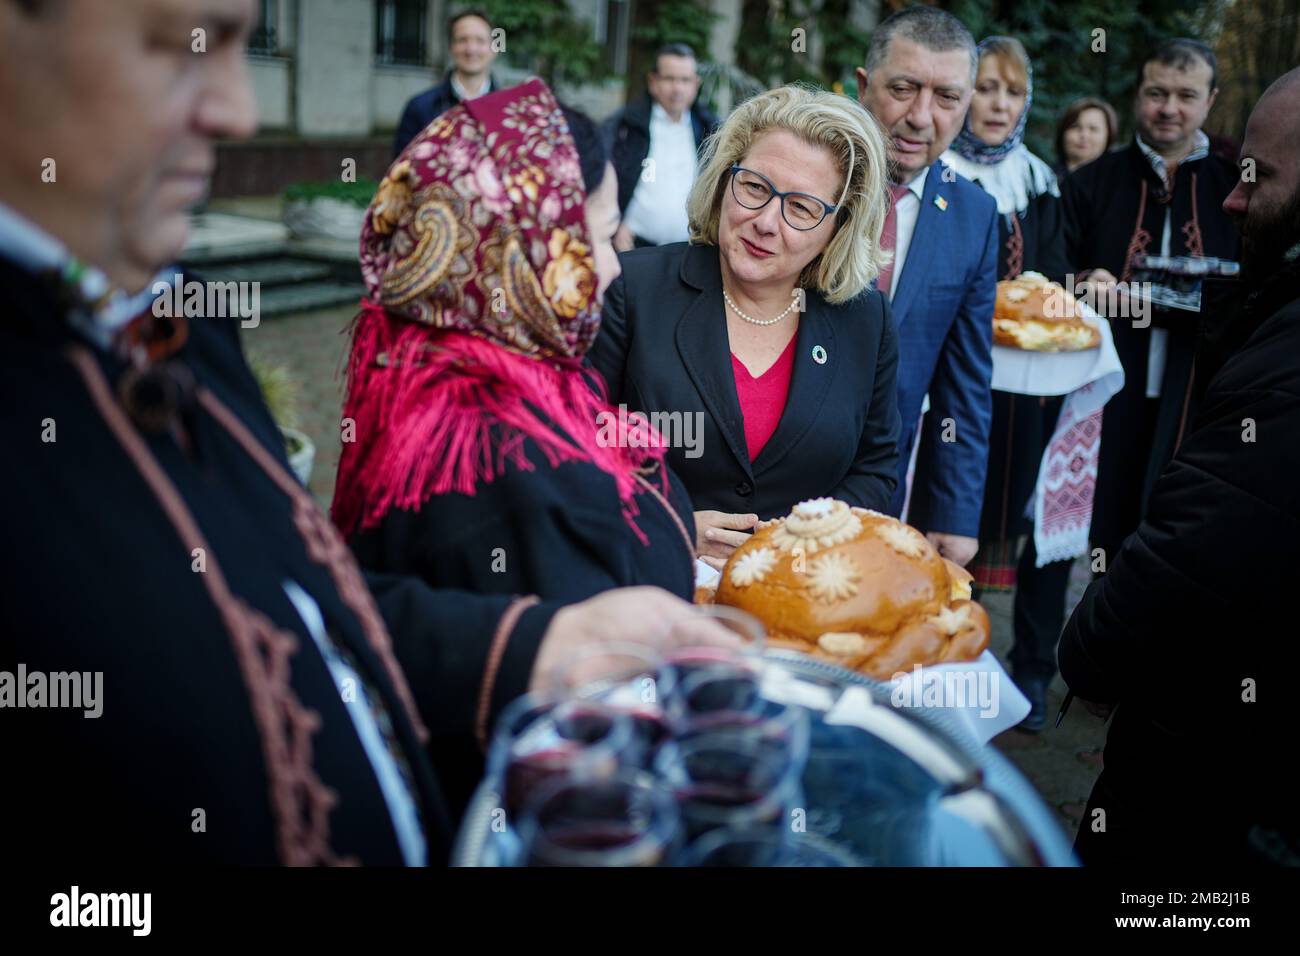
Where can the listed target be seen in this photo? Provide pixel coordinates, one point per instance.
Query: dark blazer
(423, 108)
(93, 577)
(627, 133)
(1196, 604)
(944, 315)
(663, 348)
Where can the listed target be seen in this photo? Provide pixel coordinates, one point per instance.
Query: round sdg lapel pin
(819, 355)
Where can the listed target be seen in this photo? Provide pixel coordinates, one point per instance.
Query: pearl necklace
(794, 300)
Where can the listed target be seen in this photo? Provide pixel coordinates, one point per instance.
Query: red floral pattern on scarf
(481, 301)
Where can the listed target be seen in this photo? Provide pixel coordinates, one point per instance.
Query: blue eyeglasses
(754, 191)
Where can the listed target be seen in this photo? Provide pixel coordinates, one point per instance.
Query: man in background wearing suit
(469, 35)
(666, 128)
(918, 82)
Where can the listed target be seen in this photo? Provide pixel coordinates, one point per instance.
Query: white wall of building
(324, 81)
(334, 54)
(272, 79)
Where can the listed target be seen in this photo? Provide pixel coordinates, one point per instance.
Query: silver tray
(899, 787)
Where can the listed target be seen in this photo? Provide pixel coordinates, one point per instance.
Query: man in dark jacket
(1190, 635)
(191, 667)
(469, 36)
(655, 144)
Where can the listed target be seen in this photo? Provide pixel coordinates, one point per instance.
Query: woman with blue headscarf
(990, 150)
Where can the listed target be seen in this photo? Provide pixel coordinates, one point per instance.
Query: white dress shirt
(657, 212)
(1157, 355)
(463, 95)
(906, 213)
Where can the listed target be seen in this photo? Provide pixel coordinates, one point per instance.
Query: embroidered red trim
(300, 801)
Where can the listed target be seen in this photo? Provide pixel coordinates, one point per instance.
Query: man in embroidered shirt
(1161, 196)
(253, 707)
(655, 144)
(469, 37)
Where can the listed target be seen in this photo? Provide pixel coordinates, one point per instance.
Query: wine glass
(714, 634)
(624, 820)
(627, 678)
(729, 779)
(540, 737)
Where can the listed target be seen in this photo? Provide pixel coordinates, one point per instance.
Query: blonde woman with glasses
(771, 362)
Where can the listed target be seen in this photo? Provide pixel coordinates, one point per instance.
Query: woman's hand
(717, 534)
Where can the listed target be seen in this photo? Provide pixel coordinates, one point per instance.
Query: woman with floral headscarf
(478, 453)
(990, 150)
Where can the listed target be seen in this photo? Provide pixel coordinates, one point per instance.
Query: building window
(263, 39)
(402, 32)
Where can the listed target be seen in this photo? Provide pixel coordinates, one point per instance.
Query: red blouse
(762, 399)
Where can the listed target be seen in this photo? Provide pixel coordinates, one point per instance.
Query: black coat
(93, 577)
(627, 134)
(423, 108)
(553, 531)
(1198, 602)
(663, 348)
(1101, 202)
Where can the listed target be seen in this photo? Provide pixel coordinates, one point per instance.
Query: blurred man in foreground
(191, 666)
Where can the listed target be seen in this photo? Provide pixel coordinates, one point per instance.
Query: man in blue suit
(469, 37)
(918, 82)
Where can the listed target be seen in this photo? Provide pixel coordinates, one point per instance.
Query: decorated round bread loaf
(855, 587)
(1036, 315)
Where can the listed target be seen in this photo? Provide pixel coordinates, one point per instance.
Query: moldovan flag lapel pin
(941, 203)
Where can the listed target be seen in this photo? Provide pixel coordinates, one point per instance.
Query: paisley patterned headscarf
(481, 301)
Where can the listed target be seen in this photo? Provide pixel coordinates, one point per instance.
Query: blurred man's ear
(1214, 95)
(861, 75)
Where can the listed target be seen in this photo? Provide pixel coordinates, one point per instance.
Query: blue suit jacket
(944, 315)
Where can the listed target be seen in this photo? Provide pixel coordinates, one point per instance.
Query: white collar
(104, 309)
(917, 186)
(1200, 149)
(462, 95)
(660, 115)
(27, 244)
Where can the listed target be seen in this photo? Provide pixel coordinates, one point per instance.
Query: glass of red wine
(624, 820)
(628, 678)
(729, 699)
(543, 737)
(715, 634)
(729, 779)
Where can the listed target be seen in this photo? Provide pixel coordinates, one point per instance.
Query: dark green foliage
(545, 37)
(1059, 37)
(359, 193)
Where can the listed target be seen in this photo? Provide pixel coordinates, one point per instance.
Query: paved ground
(1061, 762)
